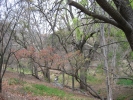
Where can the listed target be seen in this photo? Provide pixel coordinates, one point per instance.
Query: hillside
(15, 90)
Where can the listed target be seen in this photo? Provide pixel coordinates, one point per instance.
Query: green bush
(125, 82)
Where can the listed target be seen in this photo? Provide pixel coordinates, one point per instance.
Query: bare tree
(9, 19)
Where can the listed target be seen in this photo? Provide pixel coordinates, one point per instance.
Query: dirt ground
(10, 94)
(119, 92)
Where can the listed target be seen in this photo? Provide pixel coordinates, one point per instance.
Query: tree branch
(89, 13)
(115, 15)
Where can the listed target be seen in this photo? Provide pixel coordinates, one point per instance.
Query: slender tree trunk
(83, 71)
(47, 72)
(32, 70)
(72, 83)
(115, 46)
(63, 78)
(0, 85)
(1, 64)
(31, 67)
(83, 75)
(0, 79)
(36, 71)
(104, 49)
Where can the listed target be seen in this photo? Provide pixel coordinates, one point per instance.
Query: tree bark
(47, 72)
(122, 19)
(1, 64)
(0, 77)
(83, 77)
(106, 67)
(63, 78)
(0, 85)
(36, 71)
(73, 83)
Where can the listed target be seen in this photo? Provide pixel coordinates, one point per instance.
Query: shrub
(125, 82)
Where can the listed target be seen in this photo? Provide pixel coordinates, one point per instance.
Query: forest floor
(15, 92)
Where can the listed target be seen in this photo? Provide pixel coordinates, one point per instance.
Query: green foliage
(131, 3)
(39, 89)
(15, 81)
(124, 45)
(99, 69)
(118, 55)
(10, 69)
(83, 2)
(94, 79)
(99, 91)
(79, 33)
(121, 97)
(75, 21)
(110, 54)
(120, 33)
(26, 70)
(131, 55)
(120, 36)
(125, 82)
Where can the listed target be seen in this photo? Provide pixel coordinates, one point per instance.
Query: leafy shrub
(125, 82)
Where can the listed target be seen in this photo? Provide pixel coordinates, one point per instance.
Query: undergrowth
(15, 81)
(125, 82)
(39, 89)
(121, 97)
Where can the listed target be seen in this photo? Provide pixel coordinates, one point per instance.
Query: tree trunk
(36, 71)
(72, 83)
(106, 67)
(63, 78)
(32, 67)
(83, 75)
(47, 72)
(1, 63)
(129, 36)
(122, 18)
(32, 70)
(0, 85)
(115, 47)
(83, 71)
(0, 76)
